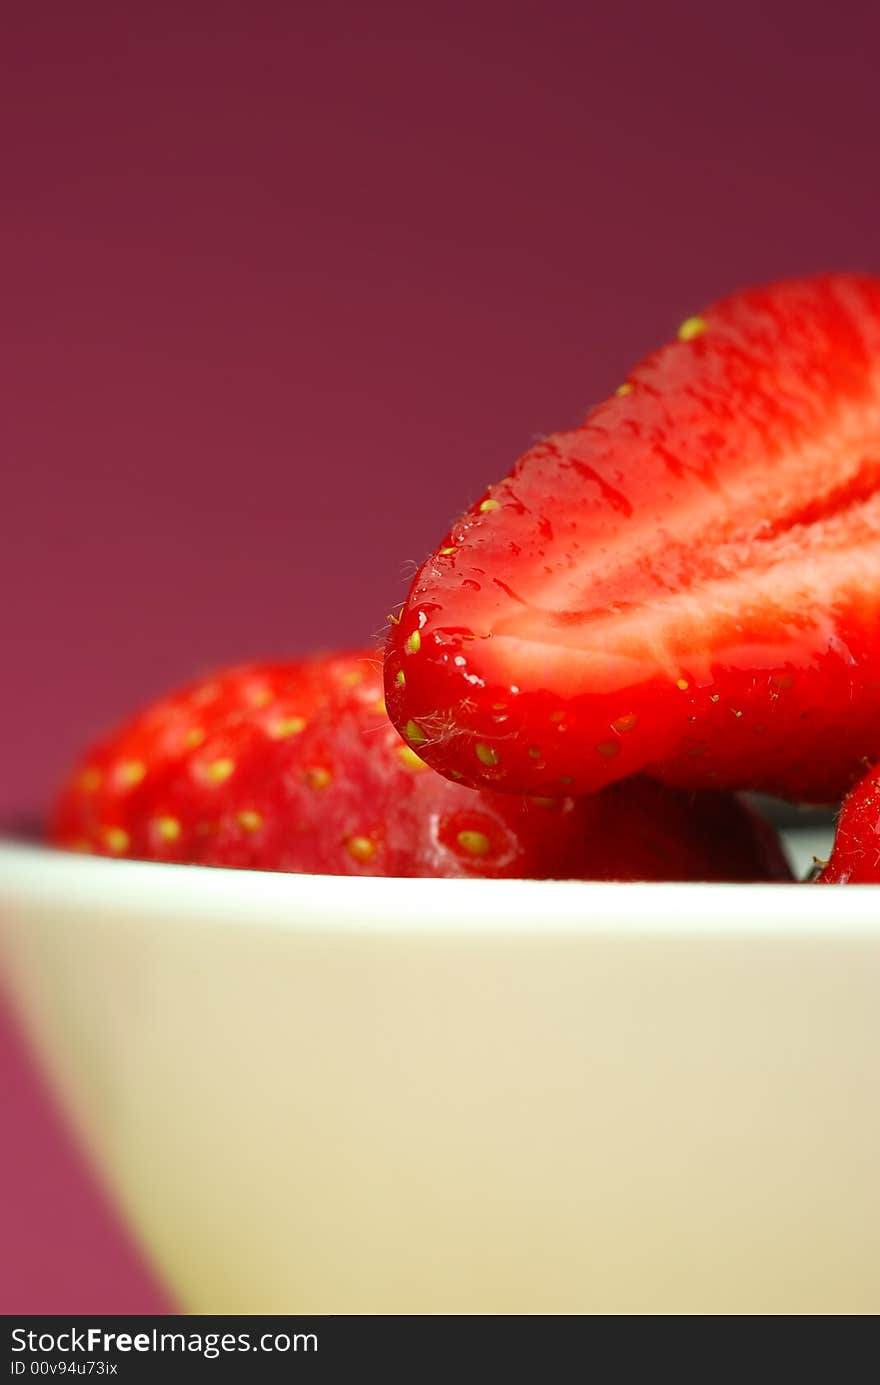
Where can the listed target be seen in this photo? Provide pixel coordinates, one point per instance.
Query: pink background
(284, 286)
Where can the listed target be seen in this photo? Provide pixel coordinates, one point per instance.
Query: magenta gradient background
(284, 287)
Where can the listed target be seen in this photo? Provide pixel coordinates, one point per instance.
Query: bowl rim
(58, 881)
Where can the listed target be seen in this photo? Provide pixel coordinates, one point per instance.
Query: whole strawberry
(687, 585)
(855, 859)
(295, 767)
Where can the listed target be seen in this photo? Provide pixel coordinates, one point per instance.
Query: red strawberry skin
(687, 585)
(295, 767)
(855, 859)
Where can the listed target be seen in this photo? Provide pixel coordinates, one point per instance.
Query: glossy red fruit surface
(855, 859)
(295, 767)
(687, 585)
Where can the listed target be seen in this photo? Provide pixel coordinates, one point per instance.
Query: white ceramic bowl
(373, 1096)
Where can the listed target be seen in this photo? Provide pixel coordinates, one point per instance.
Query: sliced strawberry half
(295, 767)
(687, 585)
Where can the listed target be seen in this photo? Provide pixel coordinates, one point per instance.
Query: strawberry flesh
(295, 767)
(687, 585)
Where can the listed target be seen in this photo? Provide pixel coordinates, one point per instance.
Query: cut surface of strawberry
(295, 767)
(687, 585)
(855, 858)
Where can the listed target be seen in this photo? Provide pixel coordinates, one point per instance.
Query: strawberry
(295, 767)
(687, 585)
(855, 859)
